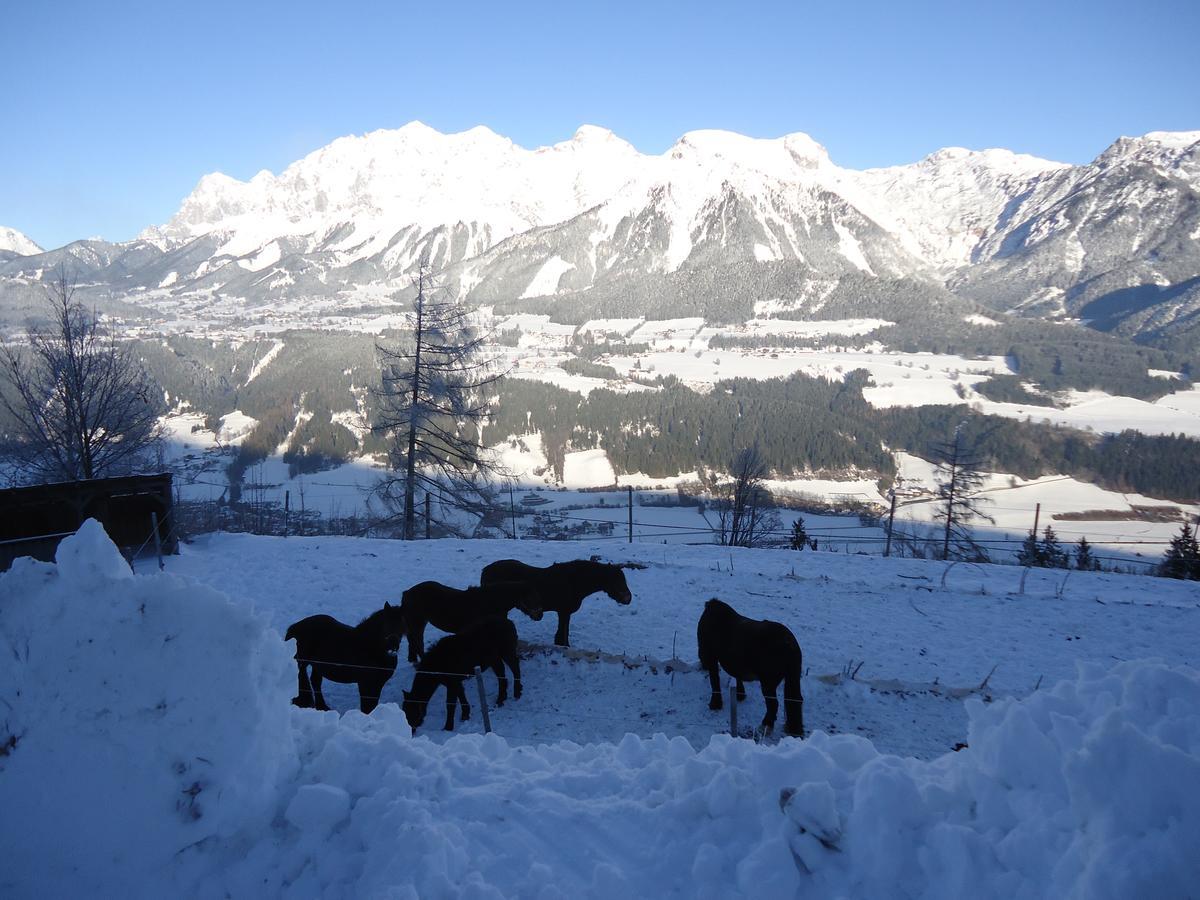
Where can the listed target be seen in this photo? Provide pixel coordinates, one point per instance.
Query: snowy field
(149, 748)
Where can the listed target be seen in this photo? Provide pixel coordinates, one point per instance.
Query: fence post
(287, 509)
(512, 508)
(732, 708)
(157, 536)
(487, 719)
(887, 550)
(630, 489)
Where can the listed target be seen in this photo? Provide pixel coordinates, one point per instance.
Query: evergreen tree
(436, 397)
(799, 535)
(1052, 553)
(1084, 560)
(1182, 559)
(1030, 553)
(959, 478)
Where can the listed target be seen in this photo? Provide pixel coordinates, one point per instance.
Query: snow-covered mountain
(1116, 241)
(12, 241)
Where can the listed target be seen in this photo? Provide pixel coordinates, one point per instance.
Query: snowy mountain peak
(15, 242)
(780, 157)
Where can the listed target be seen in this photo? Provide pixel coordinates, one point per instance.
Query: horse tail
(291, 632)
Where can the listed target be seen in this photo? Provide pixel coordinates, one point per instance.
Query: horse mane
(719, 607)
(373, 618)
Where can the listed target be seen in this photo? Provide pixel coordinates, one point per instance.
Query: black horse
(488, 644)
(364, 654)
(752, 650)
(451, 609)
(564, 585)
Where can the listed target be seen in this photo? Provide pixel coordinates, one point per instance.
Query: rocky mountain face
(1115, 242)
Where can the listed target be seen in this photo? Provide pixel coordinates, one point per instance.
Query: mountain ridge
(354, 218)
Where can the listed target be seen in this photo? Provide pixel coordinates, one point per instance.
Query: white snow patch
(546, 280)
(588, 468)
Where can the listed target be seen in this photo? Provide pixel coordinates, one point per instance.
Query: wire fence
(1119, 545)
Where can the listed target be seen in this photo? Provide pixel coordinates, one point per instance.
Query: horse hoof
(714, 703)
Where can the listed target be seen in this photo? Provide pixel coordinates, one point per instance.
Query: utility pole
(630, 490)
(1037, 512)
(887, 550)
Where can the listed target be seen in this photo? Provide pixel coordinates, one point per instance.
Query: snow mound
(140, 715)
(147, 748)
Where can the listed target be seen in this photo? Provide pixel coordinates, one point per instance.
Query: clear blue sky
(110, 113)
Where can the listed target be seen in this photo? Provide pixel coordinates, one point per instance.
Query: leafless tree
(959, 477)
(436, 394)
(746, 513)
(77, 403)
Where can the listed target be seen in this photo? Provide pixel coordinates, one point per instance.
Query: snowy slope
(15, 242)
(150, 751)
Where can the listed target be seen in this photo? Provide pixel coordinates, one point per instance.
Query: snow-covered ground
(149, 749)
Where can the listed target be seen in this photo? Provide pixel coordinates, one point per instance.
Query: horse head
(614, 580)
(531, 604)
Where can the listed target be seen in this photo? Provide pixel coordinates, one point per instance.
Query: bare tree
(746, 513)
(436, 394)
(78, 404)
(959, 478)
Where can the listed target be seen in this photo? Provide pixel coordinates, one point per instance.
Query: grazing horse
(564, 585)
(364, 653)
(752, 650)
(489, 644)
(451, 609)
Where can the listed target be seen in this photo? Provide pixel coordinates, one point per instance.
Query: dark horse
(563, 586)
(451, 609)
(364, 653)
(488, 644)
(752, 650)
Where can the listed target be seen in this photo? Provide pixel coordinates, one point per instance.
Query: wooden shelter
(34, 519)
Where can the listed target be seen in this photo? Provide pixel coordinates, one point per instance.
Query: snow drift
(147, 748)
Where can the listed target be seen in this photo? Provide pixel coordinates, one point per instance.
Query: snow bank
(140, 715)
(150, 750)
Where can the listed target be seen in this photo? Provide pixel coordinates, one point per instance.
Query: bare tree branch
(77, 404)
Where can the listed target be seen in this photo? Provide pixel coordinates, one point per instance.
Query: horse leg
(369, 690)
(768, 689)
(562, 636)
(462, 699)
(317, 678)
(502, 680)
(416, 640)
(514, 663)
(714, 681)
(741, 691)
(304, 694)
(451, 699)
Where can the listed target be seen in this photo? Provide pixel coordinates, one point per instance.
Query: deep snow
(149, 748)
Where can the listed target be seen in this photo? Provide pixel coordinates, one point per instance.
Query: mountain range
(721, 217)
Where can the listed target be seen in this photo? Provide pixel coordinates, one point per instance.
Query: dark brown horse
(364, 654)
(451, 609)
(752, 650)
(489, 644)
(563, 586)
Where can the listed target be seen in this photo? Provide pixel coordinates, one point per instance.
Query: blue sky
(110, 113)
